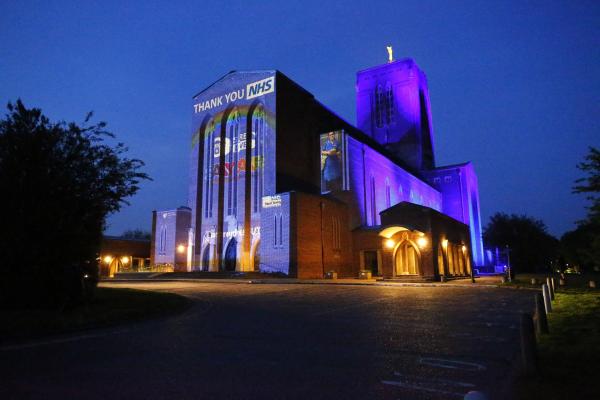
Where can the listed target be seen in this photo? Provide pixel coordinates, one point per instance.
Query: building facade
(281, 184)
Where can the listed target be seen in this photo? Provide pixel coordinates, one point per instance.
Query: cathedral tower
(392, 106)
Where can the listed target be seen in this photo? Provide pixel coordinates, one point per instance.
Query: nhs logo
(259, 88)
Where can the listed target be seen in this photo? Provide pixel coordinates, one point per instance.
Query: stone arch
(205, 260)
(407, 258)
(255, 255)
(230, 256)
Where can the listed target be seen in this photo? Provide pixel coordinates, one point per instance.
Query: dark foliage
(136, 234)
(532, 249)
(59, 183)
(580, 248)
(591, 183)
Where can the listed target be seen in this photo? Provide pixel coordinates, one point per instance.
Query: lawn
(109, 307)
(569, 357)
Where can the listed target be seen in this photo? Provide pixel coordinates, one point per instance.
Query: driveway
(286, 341)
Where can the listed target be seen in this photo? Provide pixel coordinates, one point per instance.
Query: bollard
(540, 318)
(533, 281)
(553, 282)
(442, 278)
(550, 288)
(528, 350)
(547, 302)
(503, 279)
(593, 284)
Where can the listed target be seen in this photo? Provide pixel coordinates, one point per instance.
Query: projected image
(332, 162)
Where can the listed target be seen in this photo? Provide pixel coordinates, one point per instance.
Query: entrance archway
(206, 259)
(407, 259)
(230, 259)
(256, 256)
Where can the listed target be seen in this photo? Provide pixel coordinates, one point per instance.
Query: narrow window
(373, 201)
(228, 171)
(256, 165)
(234, 167)
(389, 104)
(379, 100)
(280, 230)
(275, 231)
(251, 166)
(388, 199)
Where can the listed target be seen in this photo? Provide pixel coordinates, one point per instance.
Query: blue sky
(514, 86)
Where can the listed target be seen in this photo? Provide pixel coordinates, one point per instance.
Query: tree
(590, 184)
(137, 234)
(59, 183)
(581, 247)
(531, 247)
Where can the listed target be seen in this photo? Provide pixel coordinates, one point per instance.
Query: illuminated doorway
(230, 256)
(206, 259)
(407, 259)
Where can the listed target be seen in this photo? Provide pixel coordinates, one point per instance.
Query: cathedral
(279, 183)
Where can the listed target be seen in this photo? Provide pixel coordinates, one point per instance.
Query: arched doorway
(230, 259)
(206, 259)
(114, 267)
(256, 256)
(407, 259)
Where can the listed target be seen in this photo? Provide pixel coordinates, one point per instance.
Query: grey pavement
(286, 341)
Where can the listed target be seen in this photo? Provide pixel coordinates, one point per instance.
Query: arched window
(231, 160)
(388, 196)
(373, 203)
(162, 248)
(379, 106)
(209, 167)
(258, 150)
(389, 104)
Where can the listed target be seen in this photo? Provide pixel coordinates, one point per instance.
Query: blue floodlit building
(281, 184)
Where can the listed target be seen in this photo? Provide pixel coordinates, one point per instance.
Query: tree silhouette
(531, 247)
(59, 183)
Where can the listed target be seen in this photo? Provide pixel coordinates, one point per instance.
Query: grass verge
(568, 357)
(109, 307)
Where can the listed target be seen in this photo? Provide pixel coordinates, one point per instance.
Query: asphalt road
(288, 341)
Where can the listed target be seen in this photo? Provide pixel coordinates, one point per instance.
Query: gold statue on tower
(390, 55)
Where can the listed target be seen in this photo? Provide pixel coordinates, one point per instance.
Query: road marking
(452, 364)
(61, 340)
(438, 380)
(426, 389)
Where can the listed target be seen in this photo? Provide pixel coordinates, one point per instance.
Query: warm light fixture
(108, 259)
(445, 243)
(390, 243)
(464, 248)
(124, 260)
(181, 248)
(422, 242)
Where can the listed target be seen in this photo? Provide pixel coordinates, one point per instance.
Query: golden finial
(390, 55)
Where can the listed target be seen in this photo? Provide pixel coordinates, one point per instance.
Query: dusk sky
(514, 86)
